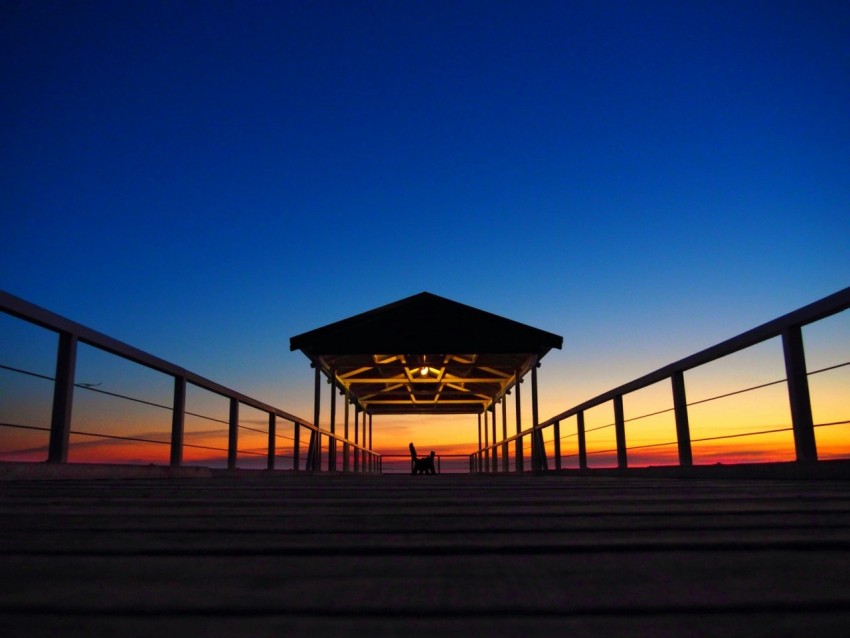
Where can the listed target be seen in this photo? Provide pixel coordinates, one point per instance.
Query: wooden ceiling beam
(448, 378)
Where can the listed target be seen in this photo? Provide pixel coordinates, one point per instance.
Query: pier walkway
(397, 555)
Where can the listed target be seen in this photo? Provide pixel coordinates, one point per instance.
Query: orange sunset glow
(738, 412)
(651, 440)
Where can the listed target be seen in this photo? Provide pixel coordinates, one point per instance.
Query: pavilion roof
(425, 354)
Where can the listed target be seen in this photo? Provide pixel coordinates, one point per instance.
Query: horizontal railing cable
(24, 427)
(86, 386)
(828, 368)
(731, 394)
(720, 396)
(27, 372)
(826, 425)
(742, 434)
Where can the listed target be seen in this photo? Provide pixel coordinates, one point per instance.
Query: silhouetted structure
(426, 355)
(424, 465)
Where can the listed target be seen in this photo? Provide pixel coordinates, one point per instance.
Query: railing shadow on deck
(278, 446)
(497, 457)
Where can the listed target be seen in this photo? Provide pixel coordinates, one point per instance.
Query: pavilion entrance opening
(424, 355)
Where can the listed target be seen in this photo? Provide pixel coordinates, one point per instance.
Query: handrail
(27, 311)
(783, 326)
(825, 307)
(36, 315)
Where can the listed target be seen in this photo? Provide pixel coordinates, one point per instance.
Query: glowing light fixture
(424, 370)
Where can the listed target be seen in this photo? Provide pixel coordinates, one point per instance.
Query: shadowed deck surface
(447, 555)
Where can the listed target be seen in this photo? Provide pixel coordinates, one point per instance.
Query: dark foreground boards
(295, 555)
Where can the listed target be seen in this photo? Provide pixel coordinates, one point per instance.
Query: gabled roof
(426, 323)
(425, 354)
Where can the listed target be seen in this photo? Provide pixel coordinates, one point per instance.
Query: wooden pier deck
(398, 555)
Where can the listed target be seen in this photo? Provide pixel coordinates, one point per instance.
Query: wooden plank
(348, 554)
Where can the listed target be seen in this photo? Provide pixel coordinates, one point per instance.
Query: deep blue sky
(206, 179)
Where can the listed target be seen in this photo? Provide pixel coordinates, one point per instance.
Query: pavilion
(425, 354)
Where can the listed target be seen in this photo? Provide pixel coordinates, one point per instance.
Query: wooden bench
(424, 465)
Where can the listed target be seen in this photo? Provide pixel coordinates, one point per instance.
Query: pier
(306, 535)
(466, 555)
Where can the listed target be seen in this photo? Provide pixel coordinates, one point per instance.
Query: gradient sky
(206, 180)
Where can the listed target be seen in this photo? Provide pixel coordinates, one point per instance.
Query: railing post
(620, 430)
(486, 441)
(495, 449)
(364, 460)
(798, 394)
(504, 432)
(332, 438)
(533, 450)
(178, 419)
(556, 429)
(272, 439)
(582, 441)
(518, 461)
(356, 438)
(314, 451)
(63, 398)
(683, 428)
(480, 445)
(296, 445)
(346, 450)
(233, 434)
(537, 434)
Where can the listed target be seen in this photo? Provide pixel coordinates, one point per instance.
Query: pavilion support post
(556, 428)
(504, 433)
(798, 394)
(63, 398)
(356, 438)
(364, 462)
(272, 439)
(582, 441)
(533, 450)
(486, 441)
(178, 419)
(620, 431)
(480, 441)
(683, 428)
(332, 438)
(538, 451)
(311, 455)
(296, 445)
(495, 449)
(233, 434)
(371, 448)
(519, 453)
(346, 450)
(537, 434)
(314, 452)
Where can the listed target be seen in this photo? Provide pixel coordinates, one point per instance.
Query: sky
(206, 180)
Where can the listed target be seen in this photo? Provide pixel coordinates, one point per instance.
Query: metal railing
(71, 334)
(495, 457)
